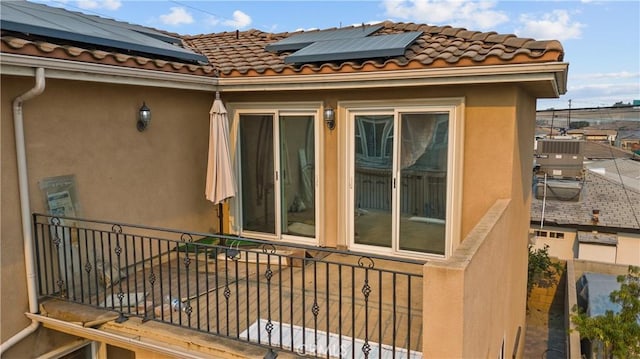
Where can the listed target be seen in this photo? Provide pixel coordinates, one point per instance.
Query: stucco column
(442, 311)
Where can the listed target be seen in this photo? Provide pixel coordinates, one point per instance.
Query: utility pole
(569, 116)
(553, 116)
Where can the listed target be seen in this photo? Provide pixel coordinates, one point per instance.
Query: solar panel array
(297, 42)
(361, 48)
(42, 20)
(343, 44)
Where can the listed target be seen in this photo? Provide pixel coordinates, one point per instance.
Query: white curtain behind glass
(417, 134)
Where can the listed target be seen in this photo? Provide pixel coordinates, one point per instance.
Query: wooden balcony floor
(317, 305)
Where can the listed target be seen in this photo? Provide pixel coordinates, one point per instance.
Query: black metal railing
(310, 300)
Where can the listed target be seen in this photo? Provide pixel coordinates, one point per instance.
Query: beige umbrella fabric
(220, 180)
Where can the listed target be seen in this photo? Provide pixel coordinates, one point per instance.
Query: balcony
(285, 297)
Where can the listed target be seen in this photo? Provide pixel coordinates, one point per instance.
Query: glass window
(374, 139)
(277, 164)
(256, 146)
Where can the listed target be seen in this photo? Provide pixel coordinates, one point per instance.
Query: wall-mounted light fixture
(144, 117)
(329, 117)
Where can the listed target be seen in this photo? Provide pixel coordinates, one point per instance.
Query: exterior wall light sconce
(329, 117)
(144, 117)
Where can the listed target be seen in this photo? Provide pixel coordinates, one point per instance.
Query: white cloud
(597, 89)
(556, 25)
(177, 16)
(605, 88)
(472, 15)
(240, 20)
(607, 75)
(212, 20)
(592, 95)
(99, 4)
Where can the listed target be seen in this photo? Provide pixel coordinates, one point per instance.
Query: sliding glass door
(373, 136)
(399, 171)
(278, 171)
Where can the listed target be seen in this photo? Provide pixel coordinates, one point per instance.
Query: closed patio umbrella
(220, 181)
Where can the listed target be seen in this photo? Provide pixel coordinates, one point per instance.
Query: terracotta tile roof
(243, 53)
(21, 44)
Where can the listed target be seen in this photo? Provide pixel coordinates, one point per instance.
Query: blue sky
(601, 38)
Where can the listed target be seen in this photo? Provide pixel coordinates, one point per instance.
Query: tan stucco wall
(494, 260)
(597, 252)
(628, 249)
(466, 311)
(582, 266)
(626, 252)
(564, 248)
(89, 130)
(489, 142)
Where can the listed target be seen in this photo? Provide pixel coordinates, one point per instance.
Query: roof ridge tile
(481, 36)
(498, 38)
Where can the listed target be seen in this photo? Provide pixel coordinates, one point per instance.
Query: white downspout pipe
(25, 208)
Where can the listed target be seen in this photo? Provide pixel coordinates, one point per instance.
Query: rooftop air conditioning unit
(560, 159)
(559, 190)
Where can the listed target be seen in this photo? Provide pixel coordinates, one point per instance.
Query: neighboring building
(629, 140)
(303, 177)
(547, 132)
(594, 135)
(600, 222)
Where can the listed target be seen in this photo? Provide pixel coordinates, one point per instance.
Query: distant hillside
(605, 118)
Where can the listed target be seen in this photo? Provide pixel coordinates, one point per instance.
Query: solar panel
(42, 20)
(297, 42)
(360, 48)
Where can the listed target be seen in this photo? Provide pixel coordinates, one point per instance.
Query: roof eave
(23, 65)
(545, 80)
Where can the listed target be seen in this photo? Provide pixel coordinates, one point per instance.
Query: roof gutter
(22, 65)
(25, 208)
(554, 73)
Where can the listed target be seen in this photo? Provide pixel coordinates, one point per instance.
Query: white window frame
(455, 156)
(277, 109)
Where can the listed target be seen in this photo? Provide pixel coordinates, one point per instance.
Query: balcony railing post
(187, 239)
(366, 291)
(58, 242)
(117, 230)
